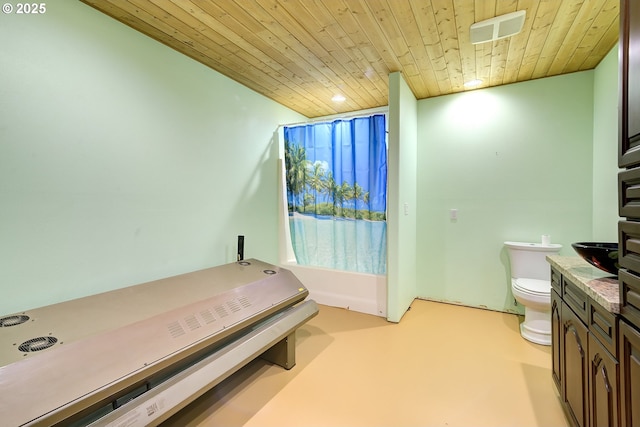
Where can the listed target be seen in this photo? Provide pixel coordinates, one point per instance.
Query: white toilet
(531, 287)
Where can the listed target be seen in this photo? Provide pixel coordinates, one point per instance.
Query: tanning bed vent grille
(37, 344)
(5, 322)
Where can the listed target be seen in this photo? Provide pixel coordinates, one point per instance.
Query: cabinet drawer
(604, 326)
(629, 193)
(629, 295)
(556, 281)
(629, 245)
(575, 298)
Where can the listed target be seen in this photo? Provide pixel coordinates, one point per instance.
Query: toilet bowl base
(535, 336)
(536, 326)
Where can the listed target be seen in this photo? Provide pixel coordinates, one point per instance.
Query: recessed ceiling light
(338, 98)
(473, 83)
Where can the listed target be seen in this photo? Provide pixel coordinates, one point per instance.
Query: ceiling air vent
(497, 28)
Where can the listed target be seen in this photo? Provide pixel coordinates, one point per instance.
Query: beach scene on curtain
(336, 178)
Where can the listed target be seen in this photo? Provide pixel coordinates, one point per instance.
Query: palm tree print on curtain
(336, 176)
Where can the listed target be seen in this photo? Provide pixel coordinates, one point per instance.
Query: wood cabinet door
(629, 122)
(575, 367)
(603, 386)
(556, 340)
(629, 354)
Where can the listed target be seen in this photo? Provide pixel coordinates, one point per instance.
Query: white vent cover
(497, 28)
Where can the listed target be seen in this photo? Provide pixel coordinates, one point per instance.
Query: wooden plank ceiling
(301, 53)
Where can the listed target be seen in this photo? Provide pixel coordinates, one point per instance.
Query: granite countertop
(602, 287)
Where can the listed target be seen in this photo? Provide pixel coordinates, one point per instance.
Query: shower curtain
(336, 177)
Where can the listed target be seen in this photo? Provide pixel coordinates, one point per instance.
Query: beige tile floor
(442, 365)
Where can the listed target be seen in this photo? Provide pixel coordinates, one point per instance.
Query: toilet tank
(529, 260)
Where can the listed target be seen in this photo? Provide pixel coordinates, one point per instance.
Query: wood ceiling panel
(563, 20)
(446, 22)
(584, 34)
(435, 69)
(321, 48)
(599, 24)
(362, 77)
(301, 53)
(464, 16)
(577, 30)
(542, 15)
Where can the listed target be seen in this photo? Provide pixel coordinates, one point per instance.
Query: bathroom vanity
(592, 358)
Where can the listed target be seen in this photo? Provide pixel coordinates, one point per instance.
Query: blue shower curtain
(336, 175)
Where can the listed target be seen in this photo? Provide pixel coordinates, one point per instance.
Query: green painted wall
(517, 162)
(122, 161)
(605, 149)
(401, 207)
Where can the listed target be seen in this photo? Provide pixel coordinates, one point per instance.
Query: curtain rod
(333, 117)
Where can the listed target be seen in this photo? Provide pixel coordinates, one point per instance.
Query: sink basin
(601, 255)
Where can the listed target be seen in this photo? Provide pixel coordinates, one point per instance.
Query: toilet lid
(533, 286)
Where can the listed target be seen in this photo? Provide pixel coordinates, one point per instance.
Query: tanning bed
(137, 355)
